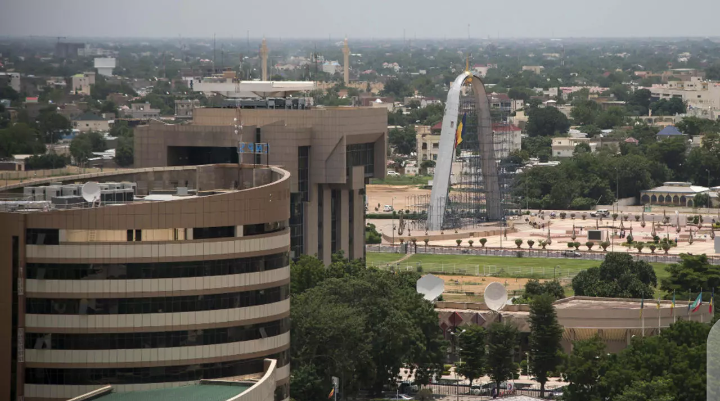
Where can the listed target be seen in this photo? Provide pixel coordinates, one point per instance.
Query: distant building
(68, 50)
(482, 69)
(669, 132)
(507, 139)
(565, 146)
(695, 92)
(105, 66)
(11, 79)
(672, 193)
(143, 111)
(81, 83)
(537, 69)
(91, 122)
(184, 108)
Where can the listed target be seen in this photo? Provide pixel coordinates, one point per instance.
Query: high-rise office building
(331, 154)
(166, 276)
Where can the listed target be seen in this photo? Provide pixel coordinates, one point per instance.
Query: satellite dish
(495, 296)
(431, 287)
(90, 191)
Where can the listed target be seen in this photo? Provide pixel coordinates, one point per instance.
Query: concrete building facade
(331, 154)
(161, 291)
(143, 111)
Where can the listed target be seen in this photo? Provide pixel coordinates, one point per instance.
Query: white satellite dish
(431, 287)
(90, 191)
(495, 296)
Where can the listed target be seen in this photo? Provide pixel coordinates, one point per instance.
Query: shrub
(630, 239)
(584, 215)
(483, 241)
(458, 242)
(543, 243)
(576, 245)
(371, 234)
(652, 248)
(639, 246)
(572, 216)
(530, 243)
(471, 242)
(637, 218)
(614, 216)
(518, 242)
(589, 245)
(562, 215)
(426, 241)
(570, 244)
(604, 245)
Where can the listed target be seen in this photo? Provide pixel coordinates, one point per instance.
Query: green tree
(693, 273)
(583, 369)
(545, 336)
(612, 117)
(584, 112)
(305, 273)
(125, 151)
(20, 139)
(109, 106)
(52, 125)
(582, 147)
(547, 121)
(472, 353)
(396, 87)
(83, 145)
(403, 140)
(619, 276)
(501, 343)
(659, 389)
(696, 126)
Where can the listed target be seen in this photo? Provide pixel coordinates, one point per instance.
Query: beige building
(91, 122)
(565, 146)
(331, 154)
(142, 111)
(184, 108)
(537, 69)
(616, 321)
(672, 193)
(81, 83)
(696, 92)
(175, 274)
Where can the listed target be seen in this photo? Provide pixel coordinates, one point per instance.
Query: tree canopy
(546, 121)
(545, 336)
(618, 276)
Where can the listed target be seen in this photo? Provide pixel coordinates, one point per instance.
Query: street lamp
(392, 219)
(617, 189)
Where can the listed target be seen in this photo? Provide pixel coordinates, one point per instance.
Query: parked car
(393, 173)
(556, 393)
(571, 254)
(404, 397)
(387, 208)
(600, 213)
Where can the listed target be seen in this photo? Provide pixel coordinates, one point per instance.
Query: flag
(642, 305)
(695, 306)
(332, 393)
(460, 131)
(673, 302)
(712, 300)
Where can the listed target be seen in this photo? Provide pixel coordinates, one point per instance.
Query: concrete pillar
(264, 58)
(310, 229)
(358, 234)
(346, 63)
(325, 222)
(344, 222)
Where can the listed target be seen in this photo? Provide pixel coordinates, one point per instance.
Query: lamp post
(617, 189)
(708, 201)
(392, 219)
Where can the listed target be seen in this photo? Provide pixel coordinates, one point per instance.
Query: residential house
(669, 132)
(537, 69)
(91, 122)
(81, 83)
(507, 138)
(695, 92)
(142, 111)
(184, 108)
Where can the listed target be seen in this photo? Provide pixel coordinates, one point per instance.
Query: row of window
(51, 236)
(122, 306)
(161, 374)
(162, 339)
(122, 271)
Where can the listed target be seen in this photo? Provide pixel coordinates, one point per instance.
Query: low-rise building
(142, 111)
(184, 108)
(537, 69)
(672, 193)
(81, 83)
(91, 122)
(669, 132)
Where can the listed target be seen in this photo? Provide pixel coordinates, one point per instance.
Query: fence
(483, 270)
(529, 253)
(32, 174)
(483, 391)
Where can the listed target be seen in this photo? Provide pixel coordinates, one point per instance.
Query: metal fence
(539, 272)
(529, 253)
(480, 393)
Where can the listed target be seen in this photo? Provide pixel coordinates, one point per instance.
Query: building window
(161, 339)
(304, 172)
(297, 222)
(130, 306)
(213, 232)
(334, 211)
(42, 236)
(361, 155)
(161, 374)
(264, 228)
(156, 270)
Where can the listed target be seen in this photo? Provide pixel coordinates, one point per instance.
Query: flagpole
(642, 315)
(659, 313)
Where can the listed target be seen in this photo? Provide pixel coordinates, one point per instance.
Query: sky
(368, 19)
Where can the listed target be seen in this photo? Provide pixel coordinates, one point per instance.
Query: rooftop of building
(670, 130)
(135, 186)
(678, 187)
(193, 392)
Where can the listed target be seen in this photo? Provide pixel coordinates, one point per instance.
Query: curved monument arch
(443, 166)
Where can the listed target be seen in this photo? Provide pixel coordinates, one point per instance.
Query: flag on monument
(460, 131)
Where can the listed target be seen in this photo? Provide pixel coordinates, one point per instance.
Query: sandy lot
(384, 194)
(477, 284)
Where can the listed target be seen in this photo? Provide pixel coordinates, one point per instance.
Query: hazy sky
(360, 18)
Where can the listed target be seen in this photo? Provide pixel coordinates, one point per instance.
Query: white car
(392, 173)
(387, 208)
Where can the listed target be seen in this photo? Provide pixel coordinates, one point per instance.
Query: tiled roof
(670, 130)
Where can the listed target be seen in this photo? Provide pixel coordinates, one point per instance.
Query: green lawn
(501, 266)
(402, 180)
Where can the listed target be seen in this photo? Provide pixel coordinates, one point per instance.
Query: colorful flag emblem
(695, 306)
(332, 393)
(460, 131)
